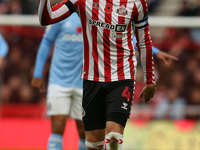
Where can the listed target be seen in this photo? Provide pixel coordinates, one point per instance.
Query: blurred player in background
(109, 62)
(3, 50)
(64, 95)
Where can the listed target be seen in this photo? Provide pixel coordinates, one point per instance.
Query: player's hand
(148, 92)
(38, 84)
(166, 58)
(1, 62)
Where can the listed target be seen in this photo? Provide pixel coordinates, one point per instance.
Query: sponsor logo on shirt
(117, 36)
(73, 37)
(116, 28)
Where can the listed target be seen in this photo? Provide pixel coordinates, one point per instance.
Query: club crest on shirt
(95, 5)
(122, 11)
(108, 8)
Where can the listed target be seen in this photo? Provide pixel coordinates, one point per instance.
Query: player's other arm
(144, 45)
(164, 57)
(42, 55)
(3, 49)
(60, 11)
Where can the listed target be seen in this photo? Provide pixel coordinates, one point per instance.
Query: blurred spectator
(25, 94)
(5, 93)
(196, 78)
(152, 5)
(194, 101)
(29, 6)
(171, 106)
(186, 8)
(4, 8)
(189, 8)
(15, 7)
(178, 81)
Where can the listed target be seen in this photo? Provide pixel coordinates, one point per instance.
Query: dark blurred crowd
(18, 69)
(18, 6)
(25, 7)
(30, 6)
(178, 86)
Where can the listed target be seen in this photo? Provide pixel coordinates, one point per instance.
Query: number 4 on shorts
(126, 93)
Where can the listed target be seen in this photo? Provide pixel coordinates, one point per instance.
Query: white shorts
(64, 101)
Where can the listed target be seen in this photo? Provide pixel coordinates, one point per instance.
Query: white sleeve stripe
(56, 14)
(141, 24)
(40, 9)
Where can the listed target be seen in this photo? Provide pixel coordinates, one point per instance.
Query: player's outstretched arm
(166, 58)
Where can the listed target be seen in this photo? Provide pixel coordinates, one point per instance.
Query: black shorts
(106, 101)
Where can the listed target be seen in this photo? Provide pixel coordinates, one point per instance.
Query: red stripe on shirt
(130, 45)
(94, 42)
(134, 14)
(45, 15)
(106, 43)
(85, 39)
(120, 49)
(144, 5)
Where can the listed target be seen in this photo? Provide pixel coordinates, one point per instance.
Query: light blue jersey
(66, 64)
(3, 47)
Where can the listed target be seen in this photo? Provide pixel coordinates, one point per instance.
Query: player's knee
(95, 145)
(114, 141)
(58, 127)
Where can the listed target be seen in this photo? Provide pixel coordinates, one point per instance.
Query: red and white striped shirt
(108, 30)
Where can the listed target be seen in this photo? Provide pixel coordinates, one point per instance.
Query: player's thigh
(119, 101)
(76, 104)
(94, 113)
(58, 100)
